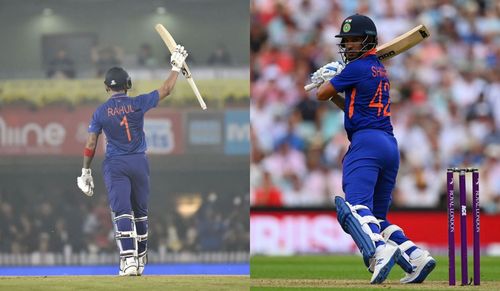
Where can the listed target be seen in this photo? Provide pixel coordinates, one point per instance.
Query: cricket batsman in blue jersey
(371, 163)
(126, 168)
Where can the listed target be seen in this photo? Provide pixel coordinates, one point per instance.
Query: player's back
(122, 119)
(367, 103)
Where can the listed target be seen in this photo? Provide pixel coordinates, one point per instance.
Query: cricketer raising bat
(171, 44)
(393, 48)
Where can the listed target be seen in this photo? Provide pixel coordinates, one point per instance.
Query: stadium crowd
(445, 99)
(67, 226)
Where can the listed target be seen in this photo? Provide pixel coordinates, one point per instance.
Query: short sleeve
(95, 125)
(348, 78)
(147, 101)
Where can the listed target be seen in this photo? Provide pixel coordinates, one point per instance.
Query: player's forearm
(167, 86)
(339, 101)
(89, 151)
(87, 161)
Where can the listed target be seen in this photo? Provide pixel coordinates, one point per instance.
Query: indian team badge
(347, 25)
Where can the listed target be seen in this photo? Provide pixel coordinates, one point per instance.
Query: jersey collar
(371, 52)
(119, 95)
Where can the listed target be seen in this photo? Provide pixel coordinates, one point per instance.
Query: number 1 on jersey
(124, 121)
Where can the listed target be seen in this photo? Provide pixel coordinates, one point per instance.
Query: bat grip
(311, 86)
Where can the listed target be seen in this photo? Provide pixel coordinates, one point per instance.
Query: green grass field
(144, 283)
(348, 273)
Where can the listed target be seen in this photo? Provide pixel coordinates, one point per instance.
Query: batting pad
(141, 226)
(125, 234)
(353, 226)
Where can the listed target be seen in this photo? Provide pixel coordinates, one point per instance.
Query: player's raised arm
(176, 60)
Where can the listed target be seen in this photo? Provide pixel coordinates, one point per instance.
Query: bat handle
(311, 86)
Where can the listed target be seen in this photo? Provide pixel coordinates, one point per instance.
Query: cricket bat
(393, 48)
(171, 44)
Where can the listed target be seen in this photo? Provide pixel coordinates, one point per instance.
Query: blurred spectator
(267, 194)
(308, 108)
(237, 222)
(211, 228)
(103, 236)
(220, 56)
(315, 183)
(8, 227)
(43, 255)
(489, 181)
(60, 240)
(258, 36)
(173, 242)
(467, 87)
(105, 58)
(145, 56)
(285, 161)
(419, 188)
(295, 195)
(61, 67)
(45, 218)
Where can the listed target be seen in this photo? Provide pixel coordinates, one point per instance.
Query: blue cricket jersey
(122, 119)
(367, 102)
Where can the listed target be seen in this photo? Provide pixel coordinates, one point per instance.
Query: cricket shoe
(128, 267)
(422, 267)
(142, 260)
(385, 258)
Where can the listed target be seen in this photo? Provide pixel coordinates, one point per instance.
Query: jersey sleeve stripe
(351, 103)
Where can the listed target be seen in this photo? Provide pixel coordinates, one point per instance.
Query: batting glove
(85, 182)
(327, 72)
(178, 57)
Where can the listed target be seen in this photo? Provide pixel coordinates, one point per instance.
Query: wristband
(88, 152)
